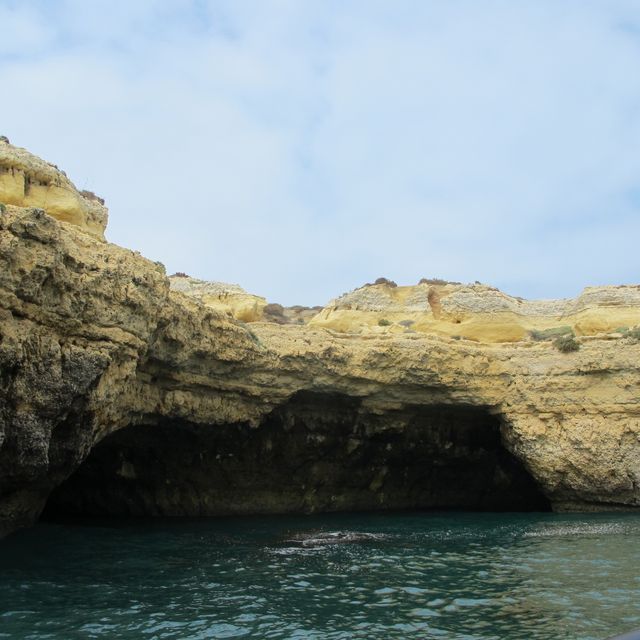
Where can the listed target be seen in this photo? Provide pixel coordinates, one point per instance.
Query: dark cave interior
(316, 453)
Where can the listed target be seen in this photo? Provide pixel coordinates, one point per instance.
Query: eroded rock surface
(477, 312)
(28, 181)
(129, 397)
(233, 301)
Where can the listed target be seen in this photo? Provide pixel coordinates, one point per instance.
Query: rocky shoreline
(126, 392)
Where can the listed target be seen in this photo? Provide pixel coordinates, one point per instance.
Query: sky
(301, 148)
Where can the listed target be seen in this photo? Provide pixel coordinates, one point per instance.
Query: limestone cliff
(121, 393)
(233, 301)
(478, 312)
(28, 181)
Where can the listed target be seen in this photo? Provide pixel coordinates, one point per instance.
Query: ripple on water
(449, 576)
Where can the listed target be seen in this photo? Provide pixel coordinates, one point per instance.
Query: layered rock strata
(121, 395)
(28, 181)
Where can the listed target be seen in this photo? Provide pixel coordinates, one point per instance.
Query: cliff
(28, 181)
(123, 391)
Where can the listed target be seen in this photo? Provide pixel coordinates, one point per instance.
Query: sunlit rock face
(476, 311)
(134, 398)
(233, 301)
(28, 181)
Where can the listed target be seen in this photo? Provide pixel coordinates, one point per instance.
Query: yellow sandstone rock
(477, 312)
(459, 396)
(228, 299)
(28, 181)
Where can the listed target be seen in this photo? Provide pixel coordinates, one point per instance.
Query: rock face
(28, 181)
(478, 312)
(124, 393)
(233, 301)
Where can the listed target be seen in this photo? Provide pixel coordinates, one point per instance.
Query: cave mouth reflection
(316, 453)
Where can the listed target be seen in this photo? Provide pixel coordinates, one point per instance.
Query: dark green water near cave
(416, 575)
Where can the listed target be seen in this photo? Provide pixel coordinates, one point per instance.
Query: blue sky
(302, 148)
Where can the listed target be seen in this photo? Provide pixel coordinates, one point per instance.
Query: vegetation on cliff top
(566, 344)
(549, 334)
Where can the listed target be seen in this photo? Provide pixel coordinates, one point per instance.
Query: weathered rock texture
(233, 301)
(28, 181)
(478, 312)
(123, 396)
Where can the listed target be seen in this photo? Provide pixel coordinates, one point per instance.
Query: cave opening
(316, 453)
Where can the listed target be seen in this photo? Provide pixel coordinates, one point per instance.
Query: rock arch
(316, 452)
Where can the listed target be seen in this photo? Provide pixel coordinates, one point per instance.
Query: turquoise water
(462, 576)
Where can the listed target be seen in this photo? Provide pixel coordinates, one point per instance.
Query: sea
(462, 576)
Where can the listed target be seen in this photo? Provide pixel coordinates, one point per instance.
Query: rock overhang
(93, 341)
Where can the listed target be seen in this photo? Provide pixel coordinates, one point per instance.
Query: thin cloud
(300, 149)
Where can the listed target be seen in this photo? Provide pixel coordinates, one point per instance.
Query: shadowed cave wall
(317, 452)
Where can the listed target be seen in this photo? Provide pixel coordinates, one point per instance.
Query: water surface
(420, 575)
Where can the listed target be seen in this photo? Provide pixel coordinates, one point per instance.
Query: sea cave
(318, 452)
